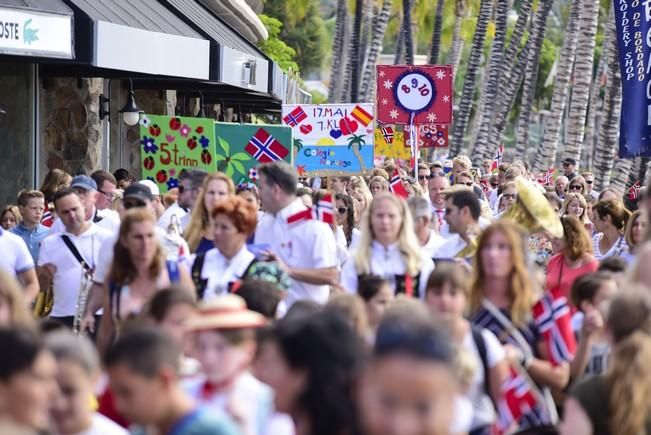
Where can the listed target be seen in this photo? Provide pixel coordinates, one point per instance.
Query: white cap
(153, 187)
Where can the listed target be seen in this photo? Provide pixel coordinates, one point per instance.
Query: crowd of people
(447, 299)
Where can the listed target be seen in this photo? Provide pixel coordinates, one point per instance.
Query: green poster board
(170, 144)
(240, 148)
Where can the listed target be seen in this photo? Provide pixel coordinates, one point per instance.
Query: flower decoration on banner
(204, 141)
(144, 121)
(149, 145)
(301, 170)
(172, 183)
(634, 191)
(409, 94)
(253, 174)
(185, 130)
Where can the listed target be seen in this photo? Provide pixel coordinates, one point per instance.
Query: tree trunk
(367, 32)
(495, 65)
(609, 129)
(546, 155)
(436, 33)
(368, 77)
(537, 34)
(465, 105)
(583, 67)
(338, 53)
(400, 45)
(457, 42)
(407, 31)
(621, 171)
(510, 60)
(354, 52)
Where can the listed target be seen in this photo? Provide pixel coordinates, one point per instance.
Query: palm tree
(457, 40)
(368, 76)
(338, 52)
(546, 155)
(407, 31)
(583, 67)
(367, 31)
(621, 170)
(465, 105)
(436, 33)
(354, 51)
(495, 64)
(609, 128)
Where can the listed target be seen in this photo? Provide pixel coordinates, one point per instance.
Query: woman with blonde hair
(361, 200)
(13, 306)
(575, 204)
(636, 229)
(617, 401)
(502, 301)
(139, 269)
(10, 217)
(388, 247)
(378, 185)
(215, 187)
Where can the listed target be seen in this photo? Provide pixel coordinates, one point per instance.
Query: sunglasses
(132, 204)
(566, 164)
(424, 177)
(342, 210)
(468, 183)
(576, 187)
(589, 181)
(183, 189)
(509, 196)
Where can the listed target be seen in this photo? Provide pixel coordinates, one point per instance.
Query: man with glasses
(190, 183)
(423, 175)
(86, 188)
(589, 185)
(569, 168)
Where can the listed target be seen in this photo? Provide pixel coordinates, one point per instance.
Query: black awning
(49, 6)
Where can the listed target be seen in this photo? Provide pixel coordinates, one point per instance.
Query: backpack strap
(173, 271)
(234, 286)
(480, 343)
(114, 297)
(199, 283)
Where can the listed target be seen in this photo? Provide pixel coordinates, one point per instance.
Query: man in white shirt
(438, 185)
(59, 264)
(190, 183)
(176, 249)
(424, 226)
(86, 189)
(304, 247)
(462, 211)
(18, 262)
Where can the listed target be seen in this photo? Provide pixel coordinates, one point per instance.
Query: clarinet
(82, 299)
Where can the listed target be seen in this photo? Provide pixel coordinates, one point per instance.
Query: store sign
(31, 33)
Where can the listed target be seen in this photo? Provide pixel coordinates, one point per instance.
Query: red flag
(553, 317)
(295, 117)
(634, 191)
(518, 400)
(396, 185)
(361, 115)
(387, 134)
(324, 209)
(299, 217)
(547, 178)
(265, 148)
(497, 160)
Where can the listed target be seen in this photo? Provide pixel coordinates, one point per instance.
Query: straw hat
(227, 311)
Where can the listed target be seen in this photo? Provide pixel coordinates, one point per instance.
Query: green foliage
(274, 47)
(303, 30)
(318, 97)
(548, 54)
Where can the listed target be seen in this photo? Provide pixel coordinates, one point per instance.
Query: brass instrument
(82, 298)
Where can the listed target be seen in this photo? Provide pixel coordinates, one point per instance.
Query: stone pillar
(71, 129)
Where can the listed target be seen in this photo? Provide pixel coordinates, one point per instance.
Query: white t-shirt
(69, 273)
(483, 409)
(15, 257)
(462, 417)
(450, 248)
(387, 263)
(308, 244)
(175, 247)
(220, 271)
(166, 218)
(103, 426)
(617, 249)
(107, 219)
(435, 240)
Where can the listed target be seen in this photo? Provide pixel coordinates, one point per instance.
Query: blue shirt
(32, 238)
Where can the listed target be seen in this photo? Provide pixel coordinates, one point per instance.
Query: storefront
(27, 36)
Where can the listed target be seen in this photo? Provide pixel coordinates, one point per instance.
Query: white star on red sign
(385, 101)
(440, 74)
(388, 84)
(446, 98)
(431, 117)
(393, 114)
(382, 73)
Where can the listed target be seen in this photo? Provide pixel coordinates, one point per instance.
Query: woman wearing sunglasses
(346, 218)
(577, 185)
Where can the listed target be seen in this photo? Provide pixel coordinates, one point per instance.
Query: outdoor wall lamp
(104, 106)
(200, 113)
(130, 112)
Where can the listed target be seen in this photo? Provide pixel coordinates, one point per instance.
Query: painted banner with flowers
(240, 148)
(170, 144)
(331, 139)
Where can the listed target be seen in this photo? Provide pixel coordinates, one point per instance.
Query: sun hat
(227, 311)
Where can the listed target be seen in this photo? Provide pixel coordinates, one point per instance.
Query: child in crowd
(377, 295)
(591, 295)
(143, 366)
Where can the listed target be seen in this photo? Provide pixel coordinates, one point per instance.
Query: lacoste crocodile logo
(29, 35)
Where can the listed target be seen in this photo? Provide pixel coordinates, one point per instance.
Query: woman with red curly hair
(232, 221)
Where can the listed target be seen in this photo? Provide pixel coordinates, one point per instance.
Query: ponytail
(629, 383)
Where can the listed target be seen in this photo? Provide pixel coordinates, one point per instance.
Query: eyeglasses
(566, 164)
(468, 183)
(424, 177)
(589, 181)
(342, 210)
(183, 189)
(128, 204)
(576, 187)
(108, 196)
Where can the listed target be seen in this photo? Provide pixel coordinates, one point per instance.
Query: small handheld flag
(396, 185)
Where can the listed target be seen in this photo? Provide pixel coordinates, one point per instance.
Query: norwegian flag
(396, 186)
(324, 209)
(47, 219)
(634, 191)
(265, 148)
(497, 160)
(295, 117)
(553, 318)
(520, 403)
(387, 134)
(547, 178)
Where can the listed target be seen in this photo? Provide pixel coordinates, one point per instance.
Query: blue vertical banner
(633, 22)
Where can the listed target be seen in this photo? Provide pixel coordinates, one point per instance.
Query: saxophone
(82, 297)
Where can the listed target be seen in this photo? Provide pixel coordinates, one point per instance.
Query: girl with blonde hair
(388, 247)
(575, 204)
(215, 187)
(502, 301)
(634, 234)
